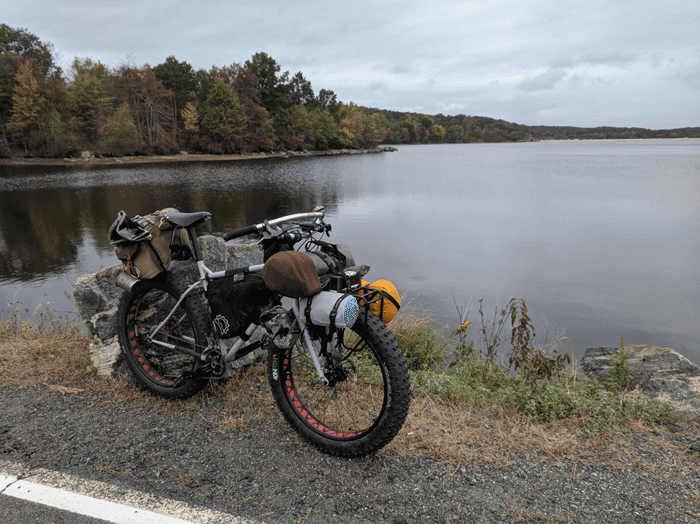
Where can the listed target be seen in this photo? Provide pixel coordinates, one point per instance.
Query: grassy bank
(465, 406)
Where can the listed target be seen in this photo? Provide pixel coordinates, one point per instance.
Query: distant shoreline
(188, 157)
(618, 139)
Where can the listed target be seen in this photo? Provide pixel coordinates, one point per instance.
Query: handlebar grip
(240, 232)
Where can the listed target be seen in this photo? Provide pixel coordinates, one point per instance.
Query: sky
(622, 63)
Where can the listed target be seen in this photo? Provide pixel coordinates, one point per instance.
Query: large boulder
(98, 297)
(661, 373)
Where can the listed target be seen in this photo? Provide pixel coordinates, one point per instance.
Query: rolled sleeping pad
(322, 305)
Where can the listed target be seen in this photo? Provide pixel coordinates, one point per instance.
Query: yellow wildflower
(463, 327)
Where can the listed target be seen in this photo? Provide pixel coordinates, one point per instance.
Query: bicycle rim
(354, 402)
(152, 362)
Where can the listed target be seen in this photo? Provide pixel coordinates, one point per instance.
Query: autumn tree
(190, 117)
(436, 134)
(28, 106)
(151, 107)
(16, 46)
(179, 78)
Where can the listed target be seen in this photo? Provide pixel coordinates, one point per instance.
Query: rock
(661, 373)
(98, 297)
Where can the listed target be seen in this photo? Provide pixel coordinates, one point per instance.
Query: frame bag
(235, 299)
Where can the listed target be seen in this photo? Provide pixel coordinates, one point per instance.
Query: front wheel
(366, 401)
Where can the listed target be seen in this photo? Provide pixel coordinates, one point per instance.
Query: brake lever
(271, 231)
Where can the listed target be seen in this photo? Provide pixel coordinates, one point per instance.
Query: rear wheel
(366, 401)
(160, 362)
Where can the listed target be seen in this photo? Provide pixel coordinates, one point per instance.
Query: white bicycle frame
(205, 274)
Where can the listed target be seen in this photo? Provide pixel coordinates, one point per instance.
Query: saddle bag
(147, 244)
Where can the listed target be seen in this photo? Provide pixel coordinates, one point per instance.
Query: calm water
(600, 238)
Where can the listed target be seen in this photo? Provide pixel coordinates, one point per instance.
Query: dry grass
(30, 358)
(457, 432)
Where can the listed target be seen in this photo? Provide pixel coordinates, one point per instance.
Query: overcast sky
(631, 63)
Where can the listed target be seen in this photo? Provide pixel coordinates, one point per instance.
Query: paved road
(48, 497)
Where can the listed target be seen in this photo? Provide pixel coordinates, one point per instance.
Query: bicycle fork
(309, 344)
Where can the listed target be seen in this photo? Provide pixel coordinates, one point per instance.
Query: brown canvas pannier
(147, 244)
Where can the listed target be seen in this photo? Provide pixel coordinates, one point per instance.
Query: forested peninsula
(251, 107)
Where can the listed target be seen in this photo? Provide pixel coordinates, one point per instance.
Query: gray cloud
(528, 62)
(543, 81)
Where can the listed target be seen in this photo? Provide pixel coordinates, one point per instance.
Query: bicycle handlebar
(240, 232)
(256, 228)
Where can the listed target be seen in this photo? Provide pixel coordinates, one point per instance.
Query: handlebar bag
(147, 244)
(291, 274)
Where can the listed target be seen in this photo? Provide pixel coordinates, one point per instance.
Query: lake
(599, 238)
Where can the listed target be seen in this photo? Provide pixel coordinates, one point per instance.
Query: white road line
(108, 502)
(81, 504)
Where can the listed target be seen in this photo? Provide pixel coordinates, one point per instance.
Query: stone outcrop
(661, 373)
(98, 297)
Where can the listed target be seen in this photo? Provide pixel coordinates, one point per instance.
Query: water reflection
(45, 213)
(40, 232)
(599, 238)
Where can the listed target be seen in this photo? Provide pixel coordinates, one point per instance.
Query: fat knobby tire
(158, 369)
(297, 399)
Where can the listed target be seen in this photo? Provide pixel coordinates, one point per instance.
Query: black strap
(157, 255)
(333, 248)
(307, 311)
(328, 260)
(334, 311)
(385, 294)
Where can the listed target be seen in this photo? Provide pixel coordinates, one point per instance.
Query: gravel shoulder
(263, 472)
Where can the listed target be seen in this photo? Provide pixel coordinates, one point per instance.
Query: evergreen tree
(223, 118)
(88, 94)
(119, 134)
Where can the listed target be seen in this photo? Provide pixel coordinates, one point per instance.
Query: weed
(492, 334)
(620, 378)
(419, 343)
(535, 364)
(545, 386)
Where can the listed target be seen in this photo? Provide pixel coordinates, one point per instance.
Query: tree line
(161, 109)
(252, 106)
(413, 128)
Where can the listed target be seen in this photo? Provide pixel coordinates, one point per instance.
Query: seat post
(197, 252)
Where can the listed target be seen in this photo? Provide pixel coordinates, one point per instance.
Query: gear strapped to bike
(335, 370)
